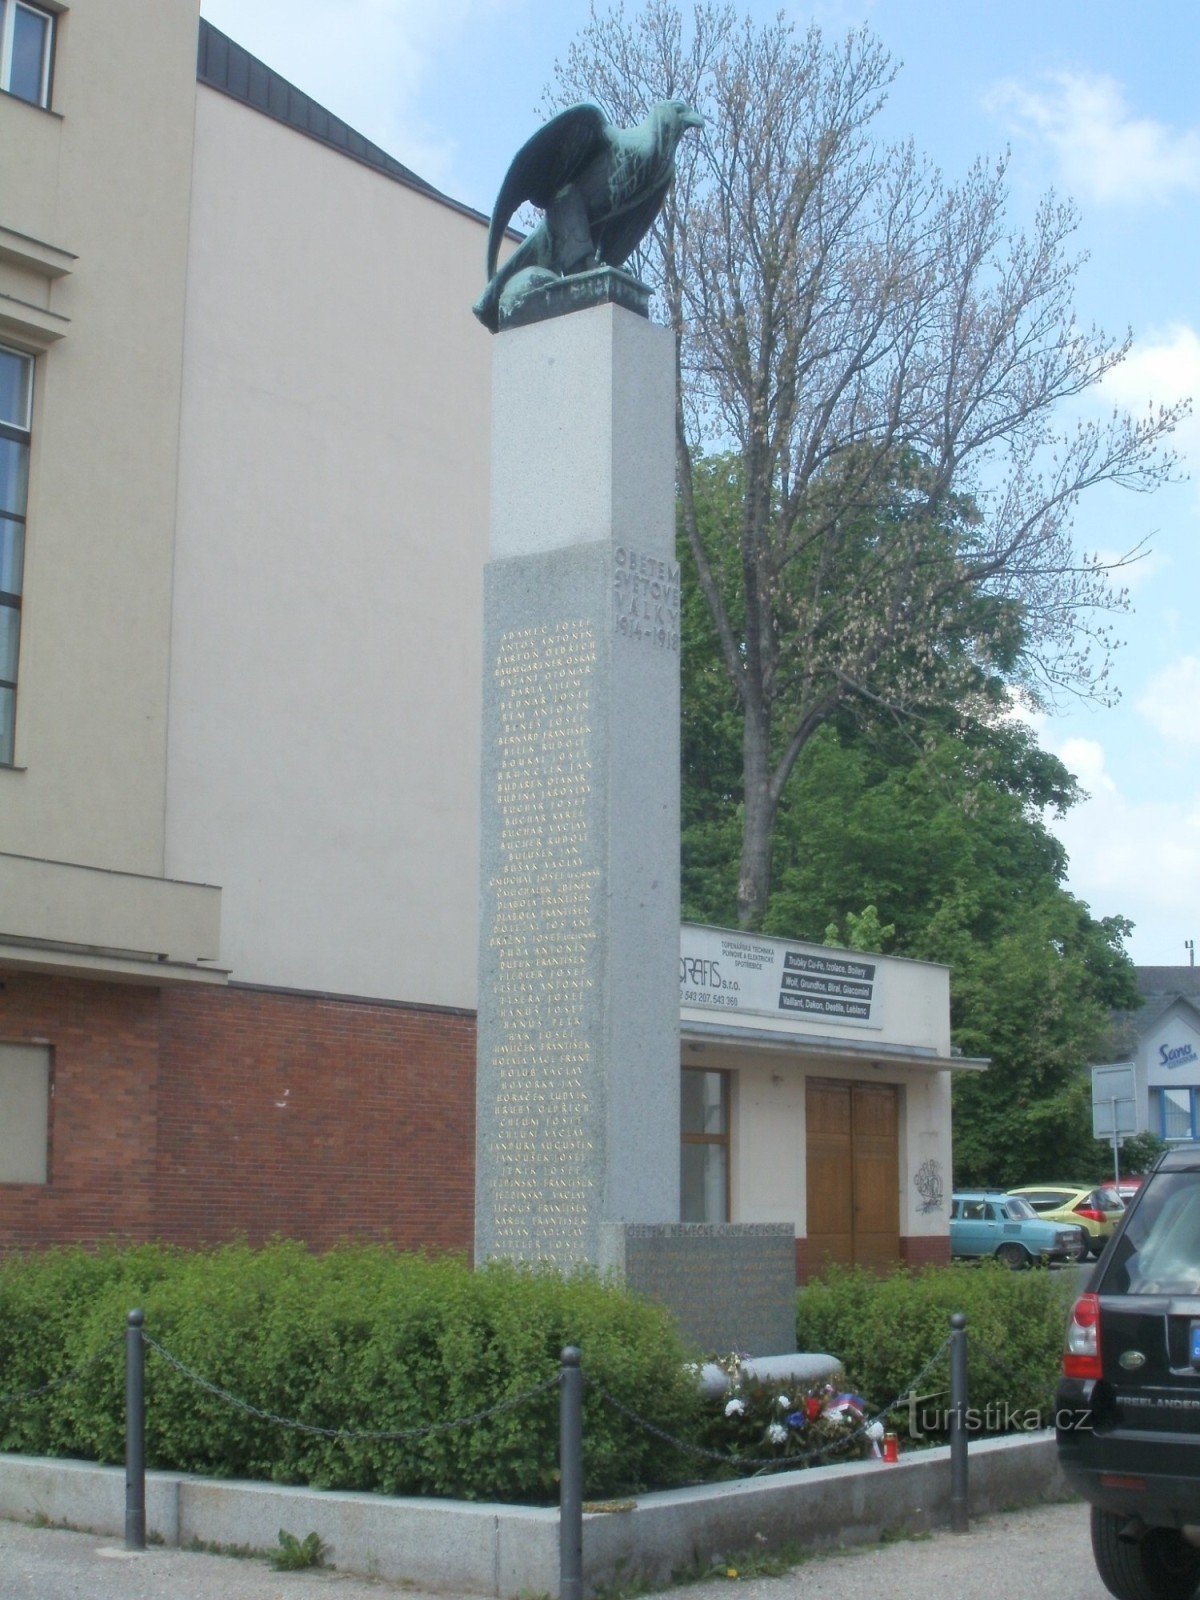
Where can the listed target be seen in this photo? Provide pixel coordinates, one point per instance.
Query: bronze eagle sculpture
(600, 188)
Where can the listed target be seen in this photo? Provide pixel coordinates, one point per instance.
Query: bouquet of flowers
(766, 1423)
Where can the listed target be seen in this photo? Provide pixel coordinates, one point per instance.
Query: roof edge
(228, 67)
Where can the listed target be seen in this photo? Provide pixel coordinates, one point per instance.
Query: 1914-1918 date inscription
(646, 598)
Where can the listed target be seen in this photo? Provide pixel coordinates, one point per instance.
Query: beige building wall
(768, 1131)
(332, 530)
(731, 988)
(94, 198)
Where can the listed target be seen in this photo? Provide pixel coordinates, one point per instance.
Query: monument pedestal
(578, 1054)
(730, 1286)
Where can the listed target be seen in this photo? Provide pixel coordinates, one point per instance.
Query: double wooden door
(853, 1174)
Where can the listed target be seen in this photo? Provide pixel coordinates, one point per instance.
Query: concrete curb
(502, 1550)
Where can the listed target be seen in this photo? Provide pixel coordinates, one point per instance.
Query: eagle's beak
(691, 119)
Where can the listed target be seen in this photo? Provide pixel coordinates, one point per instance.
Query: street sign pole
(1116, 1149)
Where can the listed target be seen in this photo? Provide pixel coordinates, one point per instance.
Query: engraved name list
(542, 934)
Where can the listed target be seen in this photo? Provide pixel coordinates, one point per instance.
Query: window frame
(44, 1096)
(11, 600)
(1160, 1092)
(8, 23)
(722, 1139)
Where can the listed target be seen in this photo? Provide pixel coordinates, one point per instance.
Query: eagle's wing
(554, 156)
(619, 235)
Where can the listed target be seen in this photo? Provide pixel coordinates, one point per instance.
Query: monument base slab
(730, 1286)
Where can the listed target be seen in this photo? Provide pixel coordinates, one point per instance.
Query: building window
(24, 1113)
(1173, 1113)
(16, 388)
(704, 1157)
(26, 48)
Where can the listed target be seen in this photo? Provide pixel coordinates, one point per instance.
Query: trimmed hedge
(365, 1339)
(361, 1338)
(886, 1329)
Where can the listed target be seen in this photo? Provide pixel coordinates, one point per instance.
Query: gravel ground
(1044, 1552)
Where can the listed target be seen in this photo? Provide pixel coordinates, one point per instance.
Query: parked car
(1128, 1402)
(1001, 1225)
(1125, 1189)
(1096, 1210)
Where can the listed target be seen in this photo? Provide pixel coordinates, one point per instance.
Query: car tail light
(1081, 1356)
(1091, 1214)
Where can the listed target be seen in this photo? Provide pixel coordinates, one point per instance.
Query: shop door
(853, 1174)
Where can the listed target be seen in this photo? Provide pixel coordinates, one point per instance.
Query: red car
(1125, 1189)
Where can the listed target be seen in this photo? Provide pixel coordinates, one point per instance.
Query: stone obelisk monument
(577, 1144)
(578, 1057)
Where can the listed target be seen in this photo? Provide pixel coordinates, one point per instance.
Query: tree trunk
(758, 826)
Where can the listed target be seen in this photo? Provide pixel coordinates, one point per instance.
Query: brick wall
(914, 1253)
(104, 1040)
(194, 1114)
(920, 1251)
(322, 1118)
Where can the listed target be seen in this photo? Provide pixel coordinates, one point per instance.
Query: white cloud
(364, 60)
(1085, 758)
(1162, 366)
(1138, 859)
(1172, 703)
(1132, 574)
(1162, 369)
(1103, 149)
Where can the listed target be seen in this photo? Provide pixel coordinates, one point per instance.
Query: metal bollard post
(135, 1434)
(570, 1467)
(959, 1504)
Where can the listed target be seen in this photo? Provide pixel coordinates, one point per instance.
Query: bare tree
(890, 368)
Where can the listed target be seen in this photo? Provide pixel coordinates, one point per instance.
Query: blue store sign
(1179, 1055)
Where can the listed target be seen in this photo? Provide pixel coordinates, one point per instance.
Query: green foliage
(711, 727)
(294, 1555)
(886, 1329)
(864, 931)
(1033, 1002)
(1139, 1152)
(361, 1339)
(939, 850)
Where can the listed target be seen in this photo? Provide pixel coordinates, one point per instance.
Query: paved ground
(1043, 1553)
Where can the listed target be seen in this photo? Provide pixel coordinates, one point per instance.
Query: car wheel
(1159, 1566)
(1014, 1256)
(1079, 1252)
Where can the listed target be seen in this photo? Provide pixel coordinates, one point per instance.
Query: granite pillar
(578, 1054)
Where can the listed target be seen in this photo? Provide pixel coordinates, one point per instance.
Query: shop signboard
(747, 974)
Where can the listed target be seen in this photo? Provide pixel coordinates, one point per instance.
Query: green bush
(885, 1330)
(366, 1340)
(361, 1339)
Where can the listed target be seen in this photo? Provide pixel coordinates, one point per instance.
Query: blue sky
(1096, 99)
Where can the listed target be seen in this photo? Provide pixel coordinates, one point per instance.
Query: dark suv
(1128, 1404)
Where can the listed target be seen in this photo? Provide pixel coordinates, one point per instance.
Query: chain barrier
(351, 1435)
(19, 1396)
(998, 1364)
(816, 1454)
